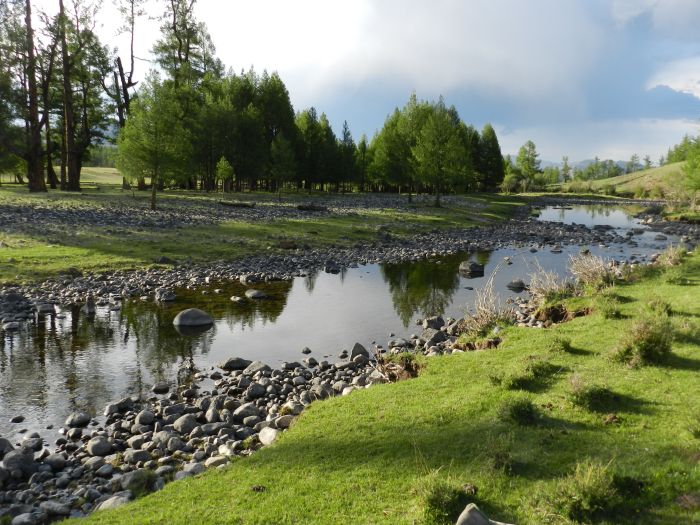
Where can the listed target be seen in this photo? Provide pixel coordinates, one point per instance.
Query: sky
(581, 78)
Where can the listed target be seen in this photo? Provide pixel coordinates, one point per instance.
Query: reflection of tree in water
(424, 286)
(310, 280)
(62, 357)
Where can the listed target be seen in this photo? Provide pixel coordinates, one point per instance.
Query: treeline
(686, 148)
(195, 125)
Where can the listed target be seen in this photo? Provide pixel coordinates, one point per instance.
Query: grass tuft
(647, 340)
(518, 410)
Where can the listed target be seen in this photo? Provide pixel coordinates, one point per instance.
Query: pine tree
(490, 164)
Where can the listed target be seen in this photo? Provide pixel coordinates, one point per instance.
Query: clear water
(69, 362)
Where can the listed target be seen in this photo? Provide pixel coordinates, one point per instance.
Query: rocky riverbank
(139, 445)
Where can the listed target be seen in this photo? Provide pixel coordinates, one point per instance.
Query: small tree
(224, 173)
(527, 160)
(154, 142)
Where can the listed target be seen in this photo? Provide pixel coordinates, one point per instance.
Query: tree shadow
(678, 362)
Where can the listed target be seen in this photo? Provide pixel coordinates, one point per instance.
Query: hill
(654, 182)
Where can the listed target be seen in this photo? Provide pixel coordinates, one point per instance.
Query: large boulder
(433, 337)
(185, 424)
(99, 446)
(193, 317)
(268, 435)
(358, 349)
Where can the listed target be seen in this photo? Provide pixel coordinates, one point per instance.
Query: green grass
(47, 253)
(400, 453)
(653, 182)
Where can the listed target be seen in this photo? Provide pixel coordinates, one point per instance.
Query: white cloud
(678, 19)
(680, 75)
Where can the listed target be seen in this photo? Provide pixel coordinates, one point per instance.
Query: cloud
(682, 75)
(677, 19)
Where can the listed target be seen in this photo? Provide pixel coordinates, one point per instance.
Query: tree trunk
(154, 186)
(72, 165)
(34, 165)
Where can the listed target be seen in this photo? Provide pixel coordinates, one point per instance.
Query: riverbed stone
(185, 424)
(193, 317)
(145, 417)
(255, 367)
(246, 410)
(432, 336)
(216, 461)
(133, 456)
(99, 446)
(56, 461)
(137, 481)
(234, 363)
(268, 435)
(54, 508)
(119, 499)
(20, 460)
(77, 420)
(160, 388)
(358, 349)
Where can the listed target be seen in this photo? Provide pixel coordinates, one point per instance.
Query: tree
(347, 152)
(362, 161)
(527, 160)
(647, 162)
(154, 142)
(439, 152)
(282, 162)
(34, 166)
(490, 163)
(513, 176)
(224, 172)
(633, 164)
(565, 169)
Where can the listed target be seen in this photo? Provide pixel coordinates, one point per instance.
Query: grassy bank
(47, 249)
(622, 448)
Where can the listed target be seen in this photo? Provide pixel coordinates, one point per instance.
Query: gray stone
(105, 471)
(145, 417)
(358, 349)
(99, 446)
(216, 461)
(185, 424)
(54, 508)
(77, 420)
(119, 499)
(473, 516)
(132, 456)
(432, 337)
(56, 461)
(137, 481)
(284, 421)
(311, 362)
(93, 464)
(471, 269)
(255, 367)
(161, 439)
(194, 468)
(161, 388)
(268, 435)
(193, 317)
(435, 322)
(234, 363)
(255, 391)
(21, 459)
(516, 285)
(5, 447)
(165, 295)
(26, 518)
(245, 410)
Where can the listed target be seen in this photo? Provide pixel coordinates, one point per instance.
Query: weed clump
(442, 500)
(560, 345)
(587, 494)
(671, 256)
(488, 310)
(658, 306)
(591, 397)
(608, 307)
(518, 410)
(646, 341)
(527, 375)
(547, 287)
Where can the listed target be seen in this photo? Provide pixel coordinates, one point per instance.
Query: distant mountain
(583, 164)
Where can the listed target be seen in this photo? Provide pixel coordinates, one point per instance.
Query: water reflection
(425, 288)
(61, 363)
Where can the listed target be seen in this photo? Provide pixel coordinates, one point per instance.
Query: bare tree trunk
(72, 161)
(34, 166)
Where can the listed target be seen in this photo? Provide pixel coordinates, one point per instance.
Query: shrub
(547, 286)
(590, 397)
(646, 340)
(587, 494)
(609, 307)
(591, 270)
(658, 306)
(488, 310)
(518, 410)
(671, 256)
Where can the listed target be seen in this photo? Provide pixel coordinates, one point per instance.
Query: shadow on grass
(678, 362)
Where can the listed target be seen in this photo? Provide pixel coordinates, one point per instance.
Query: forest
(193, 124)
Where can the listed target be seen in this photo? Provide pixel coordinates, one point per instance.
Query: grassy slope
(363, 458)
(665, 177)
(38, 256)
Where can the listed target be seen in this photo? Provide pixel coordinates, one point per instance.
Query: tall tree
(282, 162)
(34, 165)
(565, 169)
(527, 160)
(490, 159)
(439, 152)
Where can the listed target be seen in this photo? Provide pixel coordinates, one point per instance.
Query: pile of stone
(140, 445)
